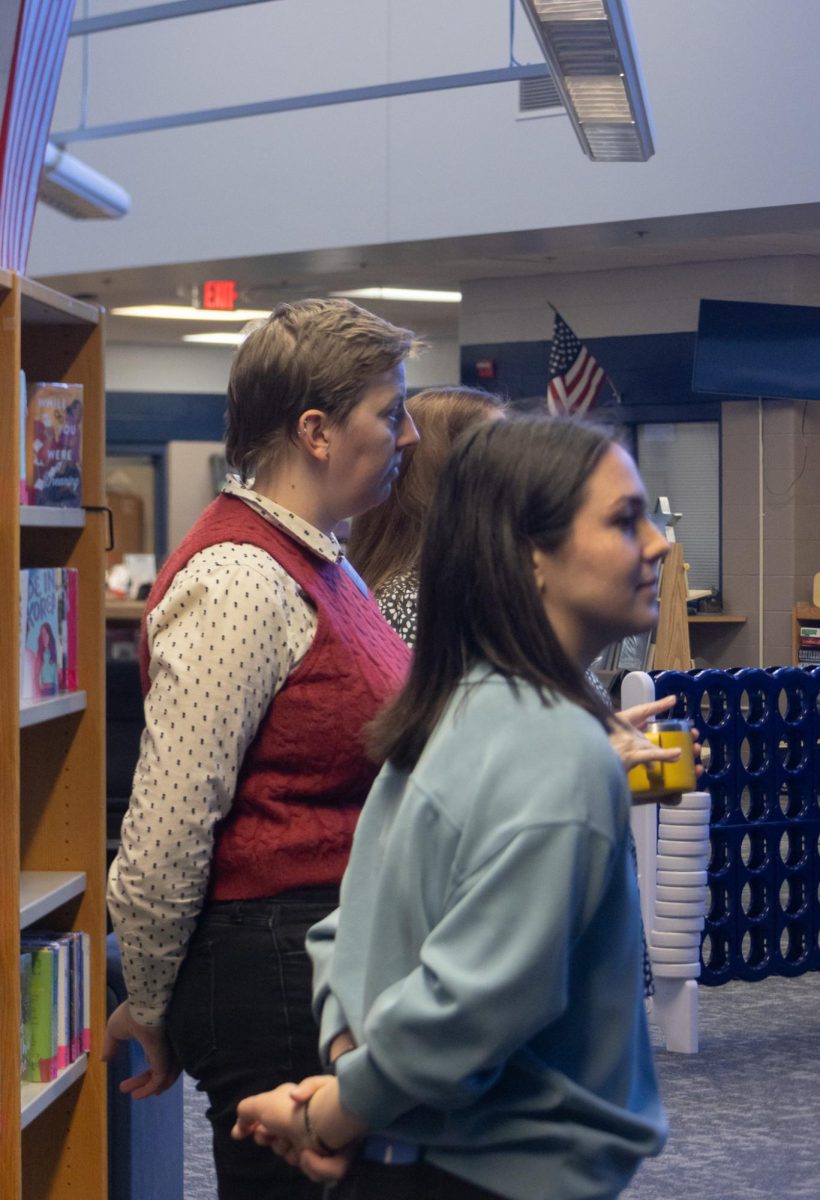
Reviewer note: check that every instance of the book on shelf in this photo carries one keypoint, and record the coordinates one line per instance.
(810, 631)
(56, 1025)
(25, 1010)
(808, 656)
(53, 444)
(49, 603)
(41, 1006)
(23, 482)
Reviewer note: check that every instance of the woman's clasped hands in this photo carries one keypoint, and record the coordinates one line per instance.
(287, 1120)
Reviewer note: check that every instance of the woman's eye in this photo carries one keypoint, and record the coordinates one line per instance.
(628, 523)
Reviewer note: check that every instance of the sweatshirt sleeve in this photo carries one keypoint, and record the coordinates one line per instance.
(492, 973)
(327, 1008)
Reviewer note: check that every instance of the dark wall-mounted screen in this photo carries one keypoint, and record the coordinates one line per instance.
(748, 350)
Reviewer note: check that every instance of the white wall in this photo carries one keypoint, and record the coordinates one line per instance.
(190, 486)
(732, 86)
(133, 368)
(183, 368)
(634, 301)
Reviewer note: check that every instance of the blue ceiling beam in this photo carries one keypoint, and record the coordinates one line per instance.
(152, 12)
(379, 91)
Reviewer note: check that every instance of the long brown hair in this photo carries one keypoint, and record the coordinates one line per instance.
(386, 541)
(507, 487)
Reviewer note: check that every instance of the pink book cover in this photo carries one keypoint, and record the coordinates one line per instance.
(40, 632)
(86, 983)
(68, 606)
(76, 997)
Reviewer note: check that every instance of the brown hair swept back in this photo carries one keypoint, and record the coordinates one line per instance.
(307, 354)
(386, 541)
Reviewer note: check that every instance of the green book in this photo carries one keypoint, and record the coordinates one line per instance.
(43, 1040)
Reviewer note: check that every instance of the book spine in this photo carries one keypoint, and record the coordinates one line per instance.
(25, 1013)
(63, 1014)
(72, 606)
(23, 407)
(42, 1066)
(810, 631)
(808, 658)
(86, 976)
(76, 997)
(26, 677)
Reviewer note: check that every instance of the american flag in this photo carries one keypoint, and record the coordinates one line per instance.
(575, 379)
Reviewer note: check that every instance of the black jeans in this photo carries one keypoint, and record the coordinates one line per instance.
(420, 1181)
(240, 1023)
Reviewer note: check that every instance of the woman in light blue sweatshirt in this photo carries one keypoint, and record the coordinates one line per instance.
(480, 987)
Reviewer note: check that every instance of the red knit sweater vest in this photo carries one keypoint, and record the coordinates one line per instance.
(305, 776)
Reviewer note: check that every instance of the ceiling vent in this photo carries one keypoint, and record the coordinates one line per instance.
(537, 94)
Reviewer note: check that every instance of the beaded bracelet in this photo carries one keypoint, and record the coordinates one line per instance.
(321, 1146)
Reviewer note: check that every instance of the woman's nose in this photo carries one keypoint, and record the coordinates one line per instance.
(656, 545)
(408, 435)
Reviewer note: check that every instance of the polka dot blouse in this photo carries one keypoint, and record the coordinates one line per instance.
(226, 635)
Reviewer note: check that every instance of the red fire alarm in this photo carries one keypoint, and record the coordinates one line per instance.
(485, 368)
(219, 293)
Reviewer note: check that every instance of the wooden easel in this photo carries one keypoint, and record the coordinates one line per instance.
(672, 650)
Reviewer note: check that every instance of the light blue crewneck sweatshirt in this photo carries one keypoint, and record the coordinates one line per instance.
(487, 954)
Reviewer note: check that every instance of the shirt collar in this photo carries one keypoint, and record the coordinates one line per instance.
(323, 544)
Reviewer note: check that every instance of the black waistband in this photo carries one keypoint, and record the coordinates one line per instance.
(306, 895)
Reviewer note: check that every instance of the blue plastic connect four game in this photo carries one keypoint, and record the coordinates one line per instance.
(760, 731)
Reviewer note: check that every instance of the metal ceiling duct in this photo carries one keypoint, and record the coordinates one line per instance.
(589, 49)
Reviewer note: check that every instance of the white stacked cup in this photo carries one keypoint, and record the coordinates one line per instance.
(681, 891)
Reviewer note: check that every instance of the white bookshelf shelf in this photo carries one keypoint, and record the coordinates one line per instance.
(36, 1097)
(43, 891)
(34, 516)
(34, 712)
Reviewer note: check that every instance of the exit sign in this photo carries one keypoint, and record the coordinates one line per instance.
(219, 293)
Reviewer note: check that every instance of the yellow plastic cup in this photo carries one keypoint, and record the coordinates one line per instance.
(666, 778)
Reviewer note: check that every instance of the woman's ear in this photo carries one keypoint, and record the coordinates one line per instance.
(540, 569)
(312, 433)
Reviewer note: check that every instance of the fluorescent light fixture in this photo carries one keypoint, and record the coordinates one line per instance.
(178, 312)
(217, 338)
(77, 190)
(397, 293)
(588, 46)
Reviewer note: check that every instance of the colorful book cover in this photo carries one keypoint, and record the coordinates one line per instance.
(23, 405)
(76, 997)
(40, 628)
(25, 1011)
(86, 978)
(60, 945)
(42, 1063)
(54, 428)
(69, 598)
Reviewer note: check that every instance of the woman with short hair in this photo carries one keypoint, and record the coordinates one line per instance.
(263, 657)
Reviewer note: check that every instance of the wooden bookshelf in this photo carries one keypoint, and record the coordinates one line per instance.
(803, 614)
(53, 1141)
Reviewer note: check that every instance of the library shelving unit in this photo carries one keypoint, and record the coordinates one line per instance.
(53, 1140)
(802, 614)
